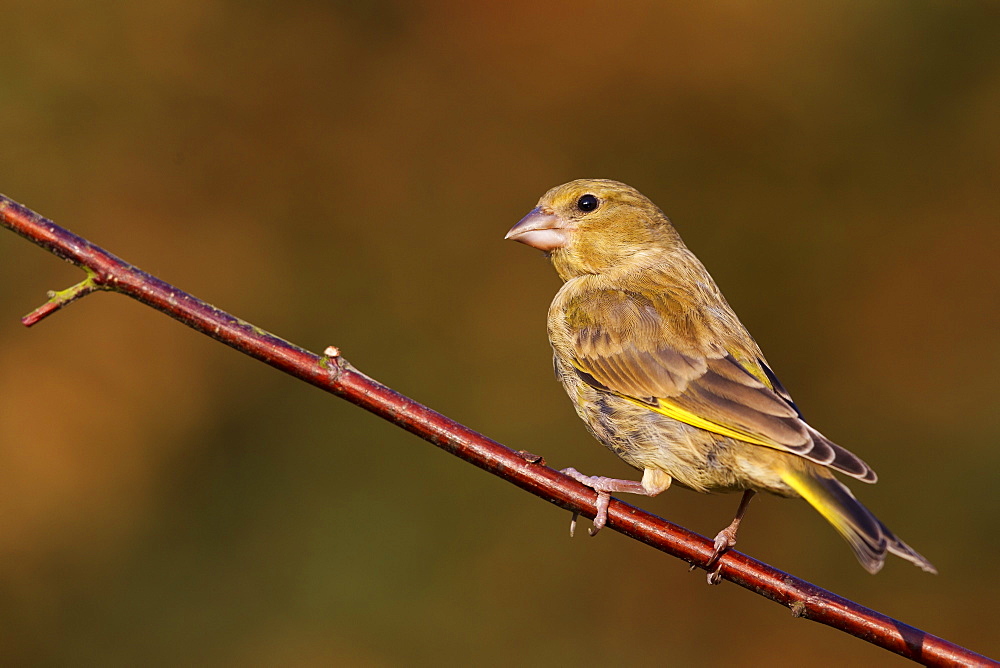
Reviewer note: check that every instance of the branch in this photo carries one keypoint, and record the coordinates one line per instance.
(333, 373)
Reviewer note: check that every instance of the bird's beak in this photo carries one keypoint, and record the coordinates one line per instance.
(540, 229)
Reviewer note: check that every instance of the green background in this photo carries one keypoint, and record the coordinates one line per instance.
(342, 173)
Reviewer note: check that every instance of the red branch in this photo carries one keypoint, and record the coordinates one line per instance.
(334, 374)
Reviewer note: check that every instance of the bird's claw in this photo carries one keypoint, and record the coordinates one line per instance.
(714, 575)
(597, 484)
(724, 540)
(601, 518)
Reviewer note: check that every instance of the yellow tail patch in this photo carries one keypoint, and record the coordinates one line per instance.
(807, 488)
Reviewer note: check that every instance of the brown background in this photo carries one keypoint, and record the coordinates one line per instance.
(343, 173)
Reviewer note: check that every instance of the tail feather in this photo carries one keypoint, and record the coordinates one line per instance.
(867, 536)
(901, 549)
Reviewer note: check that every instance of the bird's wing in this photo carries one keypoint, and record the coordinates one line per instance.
(651, 351)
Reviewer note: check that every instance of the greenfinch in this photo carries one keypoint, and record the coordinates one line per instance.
(663, 373)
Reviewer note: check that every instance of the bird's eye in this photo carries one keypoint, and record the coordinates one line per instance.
(587, 203)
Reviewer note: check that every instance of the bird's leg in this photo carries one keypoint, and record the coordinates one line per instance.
(726, 538)
(653, 482)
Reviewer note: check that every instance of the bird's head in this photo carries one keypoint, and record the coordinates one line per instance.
(591, 226)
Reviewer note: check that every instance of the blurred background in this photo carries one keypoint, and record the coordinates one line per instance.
(343, 173)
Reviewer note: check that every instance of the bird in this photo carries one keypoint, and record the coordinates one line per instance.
(663, 373)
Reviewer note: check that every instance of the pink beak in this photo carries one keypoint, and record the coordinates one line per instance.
(540, 229)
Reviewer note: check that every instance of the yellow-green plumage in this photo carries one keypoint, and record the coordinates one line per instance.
(663, 373)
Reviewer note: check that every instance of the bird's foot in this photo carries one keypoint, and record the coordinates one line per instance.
(724, 540)
(604, 487)
(600, 519)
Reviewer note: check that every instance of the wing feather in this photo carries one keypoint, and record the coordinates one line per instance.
(625, 346)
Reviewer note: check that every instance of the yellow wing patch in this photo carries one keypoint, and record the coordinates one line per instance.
(671, 410)
(664, 407)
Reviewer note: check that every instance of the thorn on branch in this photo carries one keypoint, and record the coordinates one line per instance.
(333, 362)
(531, 458)
(60, 298)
